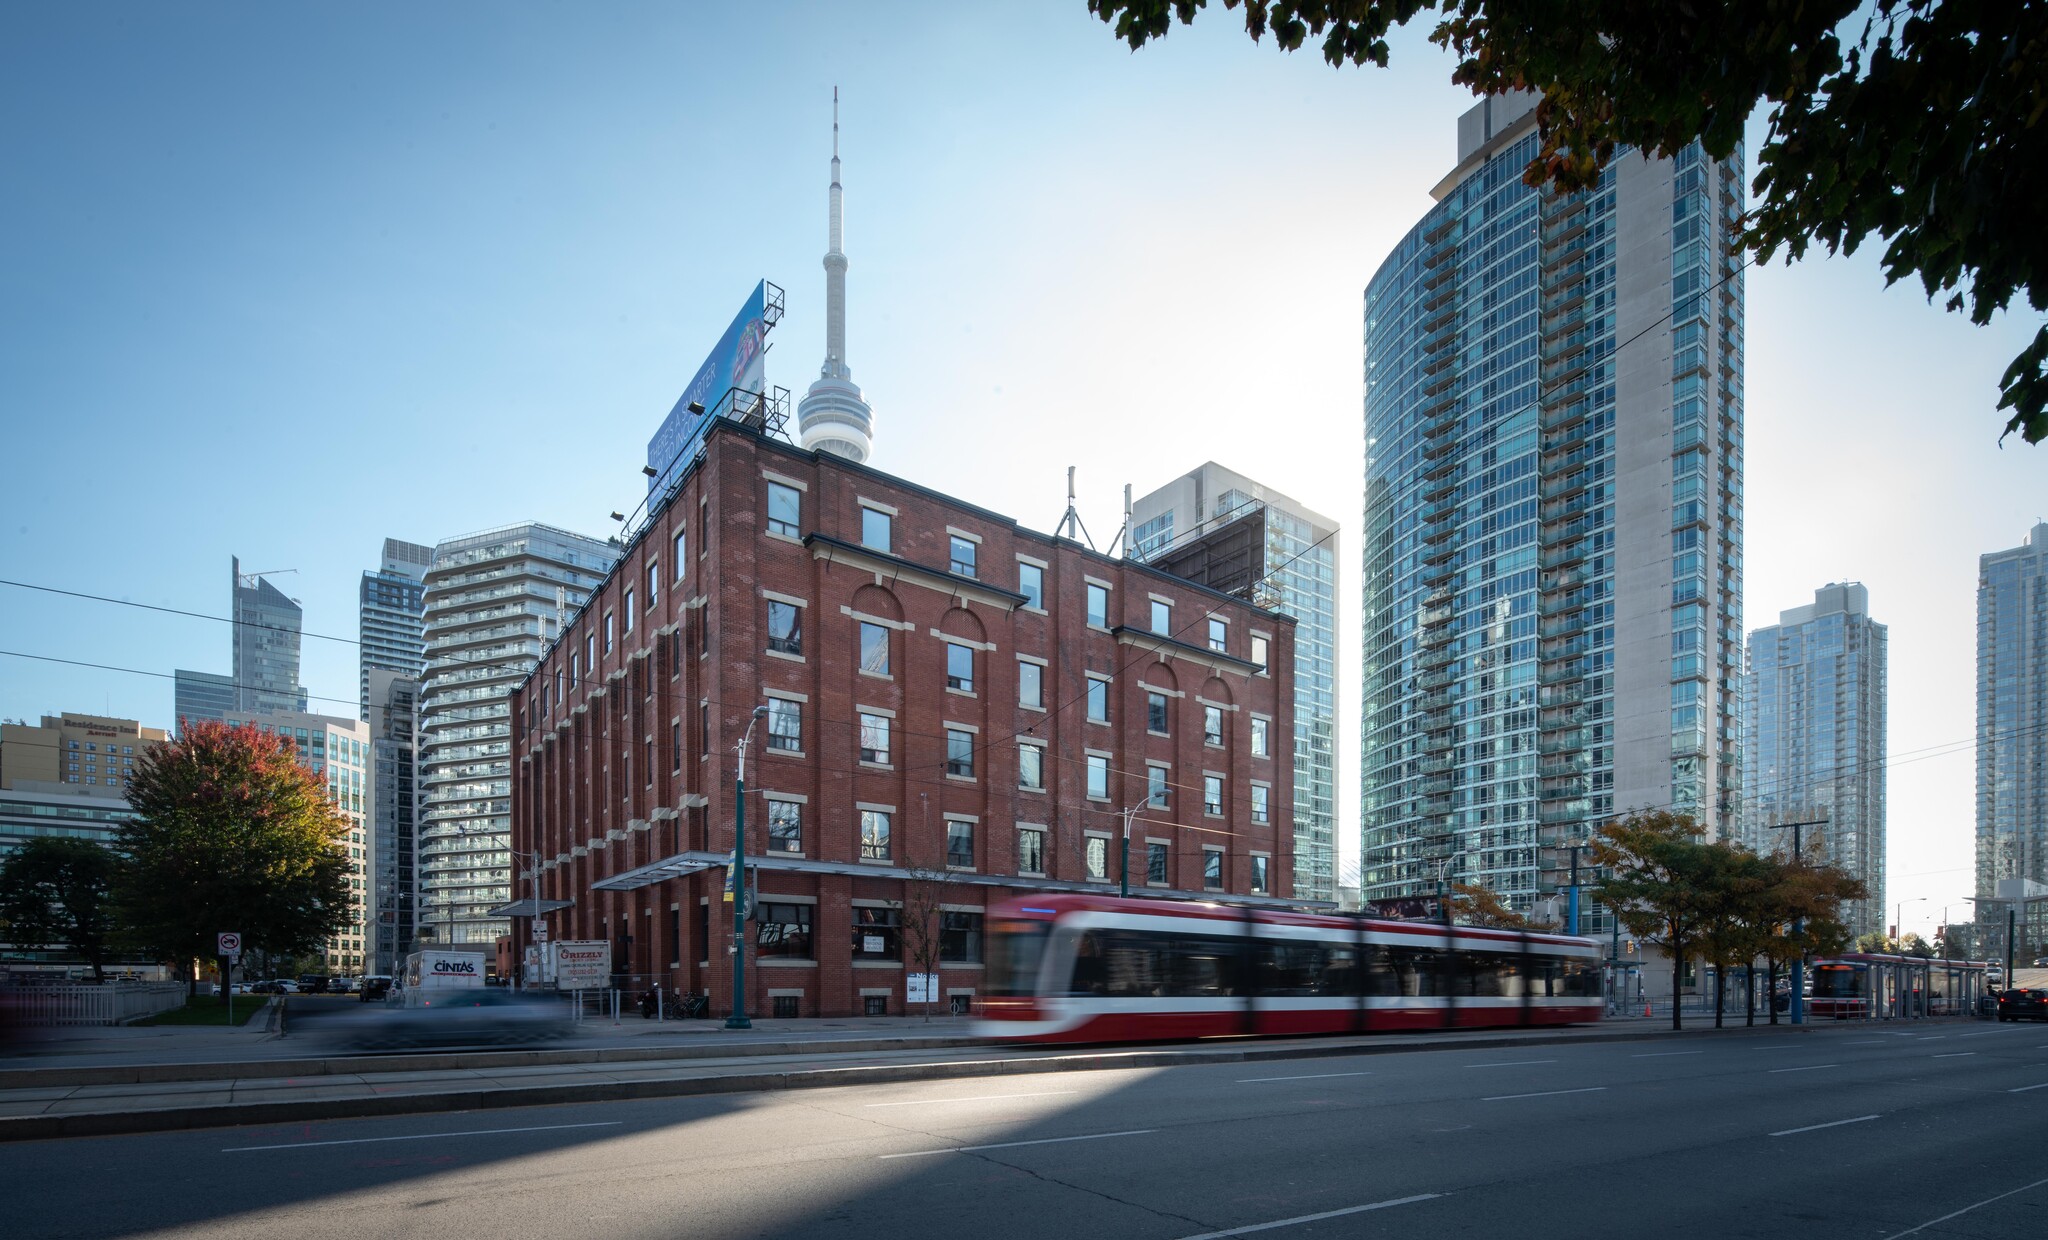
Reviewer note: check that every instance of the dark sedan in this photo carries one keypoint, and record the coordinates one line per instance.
(477, 1016)
(2021, 1003)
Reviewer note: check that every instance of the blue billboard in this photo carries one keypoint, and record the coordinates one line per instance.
(736, 362)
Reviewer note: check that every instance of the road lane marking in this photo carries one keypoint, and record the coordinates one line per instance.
(1548, 1093)
(1314, 1218)
(1010, 1145)
(2024, 1088)
(1933, 1037)
(1817, 1127)
(1509, 1063)
(1864, 1042)
(1808, 1068)
(1986, 1033)
(424, 1136)
(1955, 1054)
(1899, 1235)
(1664, 1054)
(926, 1102)
(1313, 1076)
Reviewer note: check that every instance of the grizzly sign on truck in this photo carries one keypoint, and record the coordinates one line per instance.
(582, 964)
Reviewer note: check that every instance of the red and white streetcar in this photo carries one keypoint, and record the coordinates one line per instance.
(1088, 968)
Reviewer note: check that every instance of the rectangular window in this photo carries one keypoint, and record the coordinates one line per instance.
(653, 584)
(874, 835)
(1155, 862)
(785, 627)
(704, 729)
(1259, 651)
(1030, 851)
(963, 556)
(1030, 685)
(1031, 767)
(1212, 794)
(959, 937)
(1259, 794)
(785, 509)
(1098, 700)
(785, 725)
(675, 744)
(877, 934)
(1212, 725)
(1098, 858)
(874, 649)
(959, 844)
(1212, 869)
(607, 632)
(959, 752)
(1162, 618)
(1031, 584)
(1098, 605)
(1219, 634)
(959, 667)
(784, 930)
(1260, 744)
(874, 529)
(785, 827)
(874, 738)
(1155, 787)
(575, 669)
(1155, 712)
(682, 545)
(1260, 868)
(1098, 777)
(629, 611)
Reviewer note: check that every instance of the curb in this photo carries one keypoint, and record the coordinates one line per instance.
(113, 1123)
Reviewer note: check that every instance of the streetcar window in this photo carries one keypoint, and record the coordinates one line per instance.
(1415, 971)
(1149, 964)
(1014, 949)
(1839, 981)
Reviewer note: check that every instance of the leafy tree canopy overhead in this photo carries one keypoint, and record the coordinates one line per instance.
(1922, 122)
(232, 834)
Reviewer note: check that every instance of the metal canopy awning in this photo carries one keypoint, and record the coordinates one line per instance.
(524, 908)
(686, 863)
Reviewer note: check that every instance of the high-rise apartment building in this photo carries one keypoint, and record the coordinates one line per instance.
(494, 601)
(84, 755)
(1814, 740)
(202, 697)
(393, 720)
(266, 642)
(1297, 575)
(338, 751)
(2012, 731)
(392, 628)
(1552, 557)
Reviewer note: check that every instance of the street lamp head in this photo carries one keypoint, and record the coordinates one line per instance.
(759, 711)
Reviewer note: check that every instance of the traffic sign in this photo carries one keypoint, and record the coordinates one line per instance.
(228, 943)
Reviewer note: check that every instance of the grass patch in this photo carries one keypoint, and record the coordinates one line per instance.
(209, 1010)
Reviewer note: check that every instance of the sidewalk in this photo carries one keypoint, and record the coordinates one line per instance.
(64, 1102)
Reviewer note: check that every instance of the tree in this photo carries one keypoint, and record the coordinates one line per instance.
(232, 834)
(1732, 920)
(1660, 882)
(1482, 907)
(56, 893)
(1916, 122)
(1802, 915)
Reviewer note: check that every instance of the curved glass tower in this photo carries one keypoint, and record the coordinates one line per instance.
(1552, 537)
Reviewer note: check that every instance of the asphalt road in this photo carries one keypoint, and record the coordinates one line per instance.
(1854, 1131)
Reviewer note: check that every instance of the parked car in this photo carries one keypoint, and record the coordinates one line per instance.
(341, 985)
(313, 983)
(2021, 1003)
(374, 988)
(2040, 962)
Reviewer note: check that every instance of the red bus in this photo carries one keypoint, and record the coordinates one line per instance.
(1088, 968)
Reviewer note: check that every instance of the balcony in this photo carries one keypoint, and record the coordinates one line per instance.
(1559, 557)
(1568, 694)
(1569, 741)
(1565, 625)
(1563, 765)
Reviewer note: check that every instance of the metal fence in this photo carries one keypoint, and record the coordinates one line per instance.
(93, 1005)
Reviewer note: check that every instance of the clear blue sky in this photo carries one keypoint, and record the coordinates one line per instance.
(285, 280)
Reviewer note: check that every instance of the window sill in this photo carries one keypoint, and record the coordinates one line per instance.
(791, 753)
(1039, 791)
(877, 964)
(960, 779)
(1030, 707)
(1209, 744)
(1031, 874)
(877, 861)
(876, 675)
(777, 852)
(960, 869)
(779, 536)
(966, 693)
(1100, 723)
(784, 655)
(784, 962)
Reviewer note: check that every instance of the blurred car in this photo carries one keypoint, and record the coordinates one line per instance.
(2040, 962)
(341, 986)
(374, 988)
(2022, 1003)
(476, 1016)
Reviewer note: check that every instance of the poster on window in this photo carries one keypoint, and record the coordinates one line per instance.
(871, 944)
(921, 988)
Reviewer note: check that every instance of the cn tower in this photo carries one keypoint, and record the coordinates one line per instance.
(832, 417)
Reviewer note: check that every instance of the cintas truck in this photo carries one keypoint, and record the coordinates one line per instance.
(430, 972)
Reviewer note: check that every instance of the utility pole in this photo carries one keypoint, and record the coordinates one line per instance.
(1123, 886)
(1798, 1003)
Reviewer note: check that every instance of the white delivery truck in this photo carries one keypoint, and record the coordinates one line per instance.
(430, 972)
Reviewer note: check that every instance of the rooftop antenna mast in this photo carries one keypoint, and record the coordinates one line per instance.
(1071, 522)
(1123, 537)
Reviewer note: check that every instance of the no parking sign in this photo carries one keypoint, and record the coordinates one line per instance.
(228, 944)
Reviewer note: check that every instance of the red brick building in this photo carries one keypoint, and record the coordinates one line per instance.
(958, 709)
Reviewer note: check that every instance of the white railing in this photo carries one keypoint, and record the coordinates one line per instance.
(94, 1005)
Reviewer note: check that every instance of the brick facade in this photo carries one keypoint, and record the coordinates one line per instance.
(625, 746)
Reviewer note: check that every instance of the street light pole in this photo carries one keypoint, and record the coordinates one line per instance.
(738, 1019)
(1123, 886)
(1798, 1004)
(1443, 902)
